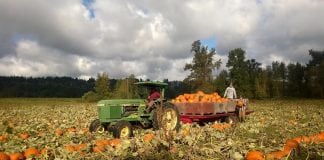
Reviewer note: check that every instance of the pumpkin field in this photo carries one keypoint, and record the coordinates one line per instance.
(58, 129)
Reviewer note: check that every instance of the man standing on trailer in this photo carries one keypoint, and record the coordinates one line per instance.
(230, 92)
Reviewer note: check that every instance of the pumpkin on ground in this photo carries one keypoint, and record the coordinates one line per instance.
(80, 147)
(3, 138)
(114, 142)
(102, 142)
(254, 155)
(70, 148)
(24, 135)
(16, 156)
(291, 145)
(276, 155)
(31, 152)
(4, 156)
(98, 149)
(58, 132)
(148, 137)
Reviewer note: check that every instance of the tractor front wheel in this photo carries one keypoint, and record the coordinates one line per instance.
(96, 126)
(122, 129)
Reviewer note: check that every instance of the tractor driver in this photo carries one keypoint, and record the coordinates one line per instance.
(154, 94)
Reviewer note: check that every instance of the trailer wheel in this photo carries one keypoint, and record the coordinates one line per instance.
(96, 126)
(122, 129)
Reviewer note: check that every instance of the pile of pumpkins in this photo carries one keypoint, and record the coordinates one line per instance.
(200, 96)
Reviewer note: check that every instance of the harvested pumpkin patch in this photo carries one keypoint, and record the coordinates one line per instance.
(266, 130)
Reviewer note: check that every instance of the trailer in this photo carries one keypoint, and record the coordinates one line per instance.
(233, 110)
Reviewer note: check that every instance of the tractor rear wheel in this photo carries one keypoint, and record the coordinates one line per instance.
(169, 119)
(96, 126)
(122, 129)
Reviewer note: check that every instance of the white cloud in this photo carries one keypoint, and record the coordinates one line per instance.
(150, 39)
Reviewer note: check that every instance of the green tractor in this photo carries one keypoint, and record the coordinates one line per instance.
(119, 116)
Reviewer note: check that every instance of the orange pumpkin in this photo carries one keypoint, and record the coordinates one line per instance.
(276, 155)
(240, 103)
(114, 142)
(102, 142)
(320, 136)
(148, 137)
(24, 135)
(290, 145)
(31, 152)
(80, 147)
(3, 138)
(16, 156)
(254, 155)
(4, 156)
(72, 130)
(70, 148)
(58, 132)
(201, 93)
(98, 149)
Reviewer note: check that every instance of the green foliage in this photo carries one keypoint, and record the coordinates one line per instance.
(101, 89)
(201, 68)
(239, 75)
(221, 82)
(315, 74)
(90, 97)
(102, 86)
(125, 88)
(295, 78)
(254, 71)
(278, 77)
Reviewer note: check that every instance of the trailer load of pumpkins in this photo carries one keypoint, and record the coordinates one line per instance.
(200, 96)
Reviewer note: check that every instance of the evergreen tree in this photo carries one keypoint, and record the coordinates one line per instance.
(239, 72)
(201, 68)
(296, 80)
(102, 86)
(221, 82)
(254, 71)
(315, 74)
(279, 77)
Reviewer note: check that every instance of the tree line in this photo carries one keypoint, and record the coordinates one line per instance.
(277, 80)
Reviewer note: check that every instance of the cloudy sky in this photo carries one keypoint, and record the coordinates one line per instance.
(148, 38)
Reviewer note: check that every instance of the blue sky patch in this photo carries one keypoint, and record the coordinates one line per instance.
(211, 42)
(88, 5)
